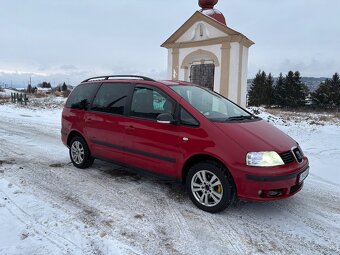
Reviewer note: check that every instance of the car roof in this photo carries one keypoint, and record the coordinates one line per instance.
(120, 77)
(172, 83)
(108, 78)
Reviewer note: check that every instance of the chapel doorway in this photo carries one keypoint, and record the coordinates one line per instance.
(203, 75)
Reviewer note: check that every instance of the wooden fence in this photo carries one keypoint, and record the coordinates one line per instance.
(19, 98)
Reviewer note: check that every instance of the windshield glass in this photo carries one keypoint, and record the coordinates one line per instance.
(211, 105)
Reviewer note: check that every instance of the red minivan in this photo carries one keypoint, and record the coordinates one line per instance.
(219, 150)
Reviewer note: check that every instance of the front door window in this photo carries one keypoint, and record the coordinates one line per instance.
(148, 103)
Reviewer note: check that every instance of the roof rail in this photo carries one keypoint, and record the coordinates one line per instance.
(107, 77)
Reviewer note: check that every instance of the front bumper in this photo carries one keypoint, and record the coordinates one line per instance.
(276, 178)
(271, 187)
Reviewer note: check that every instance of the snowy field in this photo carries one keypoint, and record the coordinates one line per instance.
(47, 206)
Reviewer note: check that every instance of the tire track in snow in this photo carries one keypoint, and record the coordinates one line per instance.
(27, 219)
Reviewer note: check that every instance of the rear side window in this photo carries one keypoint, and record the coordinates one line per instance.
(148, 103)
(82, 95)
(111, 98)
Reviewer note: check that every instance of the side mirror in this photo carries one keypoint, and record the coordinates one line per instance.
(165, 118)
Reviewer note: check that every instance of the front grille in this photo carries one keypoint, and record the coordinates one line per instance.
(287, 157)
(298, 155)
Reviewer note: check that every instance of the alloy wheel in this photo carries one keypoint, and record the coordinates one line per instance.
(207, 188)
(77, 152)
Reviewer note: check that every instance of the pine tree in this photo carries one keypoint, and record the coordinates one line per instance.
(45, 85)
(335, 88)
(294, 90)
(257, 92)
(322, 95)
(300, 90)
(268, 93)
(328, 93)
(278, 92)
(288, 87)
(64, 87)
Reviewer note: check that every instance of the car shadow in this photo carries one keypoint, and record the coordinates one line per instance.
(176, 192)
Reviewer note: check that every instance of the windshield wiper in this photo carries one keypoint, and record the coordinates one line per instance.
(241, 117)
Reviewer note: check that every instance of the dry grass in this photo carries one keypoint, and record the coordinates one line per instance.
(40, 95)
(308, 115)
(4, 99)
(36, 102)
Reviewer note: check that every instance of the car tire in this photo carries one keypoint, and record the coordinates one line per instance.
(209, 187)
(79, 153)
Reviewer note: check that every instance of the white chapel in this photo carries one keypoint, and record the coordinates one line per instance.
(205, 51)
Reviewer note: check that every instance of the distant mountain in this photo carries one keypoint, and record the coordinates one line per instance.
(311, 82)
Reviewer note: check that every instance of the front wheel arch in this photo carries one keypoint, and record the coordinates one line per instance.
(203, 190)
(195, 159)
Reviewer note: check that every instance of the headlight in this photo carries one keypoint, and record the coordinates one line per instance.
(265, 158)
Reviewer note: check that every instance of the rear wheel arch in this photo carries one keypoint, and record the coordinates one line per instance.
(73, 134)
(80, 154)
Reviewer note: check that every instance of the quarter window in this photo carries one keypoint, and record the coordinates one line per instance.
(82, 95)
(149, 103)
(111, 98)
(187, 119)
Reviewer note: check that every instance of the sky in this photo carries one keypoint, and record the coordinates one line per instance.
(71, 40)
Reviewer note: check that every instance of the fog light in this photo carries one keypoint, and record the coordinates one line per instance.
(271, 193)
(274, 193)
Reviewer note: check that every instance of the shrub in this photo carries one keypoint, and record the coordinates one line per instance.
(66, 93)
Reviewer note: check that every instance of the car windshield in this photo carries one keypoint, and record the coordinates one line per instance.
(212, 105)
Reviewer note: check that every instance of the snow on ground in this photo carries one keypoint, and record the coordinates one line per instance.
(4, 96)
(47, 206)
(7, 92)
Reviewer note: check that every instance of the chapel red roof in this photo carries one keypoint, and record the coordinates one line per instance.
(208, 10)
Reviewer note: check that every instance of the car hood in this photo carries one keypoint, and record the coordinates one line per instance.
(257, 135)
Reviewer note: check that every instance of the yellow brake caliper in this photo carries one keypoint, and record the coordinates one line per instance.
(219, 188)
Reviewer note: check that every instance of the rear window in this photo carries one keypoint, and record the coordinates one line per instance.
(82, 94)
